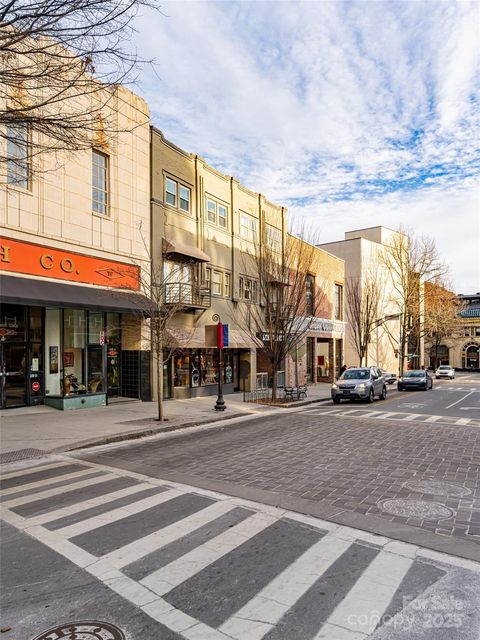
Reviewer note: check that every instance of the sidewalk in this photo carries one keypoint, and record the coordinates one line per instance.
(47, 430)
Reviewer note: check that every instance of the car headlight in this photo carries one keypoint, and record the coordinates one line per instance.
(334, 386)
(361, 387)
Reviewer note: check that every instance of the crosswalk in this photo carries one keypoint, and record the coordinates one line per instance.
(211, 567)
(391, 415)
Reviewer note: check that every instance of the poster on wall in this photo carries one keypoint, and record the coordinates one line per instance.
(68, 359)
(53, 359)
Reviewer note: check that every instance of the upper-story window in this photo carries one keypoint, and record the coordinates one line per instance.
(100, 200)
(467, 331)
(273, 238)
(309, 294)
(248, 227)
(217, 213)
(248, 289)
(338, 302)
(218, 282)
(18, 155)
(177, 195)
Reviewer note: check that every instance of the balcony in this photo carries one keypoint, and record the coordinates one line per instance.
(188, 296)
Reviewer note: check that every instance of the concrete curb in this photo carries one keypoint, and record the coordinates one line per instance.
(143, 433)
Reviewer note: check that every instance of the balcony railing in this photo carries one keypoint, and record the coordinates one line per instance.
(189, 295)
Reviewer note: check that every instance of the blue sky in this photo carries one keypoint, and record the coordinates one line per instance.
(351, 114)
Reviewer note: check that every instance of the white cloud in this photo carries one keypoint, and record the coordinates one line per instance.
(339, 110)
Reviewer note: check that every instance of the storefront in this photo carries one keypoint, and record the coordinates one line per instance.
(67, 345)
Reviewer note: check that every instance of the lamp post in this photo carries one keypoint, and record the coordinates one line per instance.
(220, 403)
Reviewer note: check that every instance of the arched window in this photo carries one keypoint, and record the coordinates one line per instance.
(471, 355)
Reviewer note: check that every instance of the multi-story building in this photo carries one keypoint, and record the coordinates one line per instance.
(71, 246)
(206, 229)
(362, 251)
(461, 349)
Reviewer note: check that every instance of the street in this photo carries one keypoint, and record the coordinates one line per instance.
(320, 522)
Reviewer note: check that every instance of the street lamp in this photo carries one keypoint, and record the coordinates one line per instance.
(220, 403)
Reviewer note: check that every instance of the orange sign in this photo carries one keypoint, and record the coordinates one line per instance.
(35, 260)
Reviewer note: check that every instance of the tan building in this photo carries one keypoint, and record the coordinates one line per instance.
(461, 350)
(361, 250)
(70, 245)
(205, 227)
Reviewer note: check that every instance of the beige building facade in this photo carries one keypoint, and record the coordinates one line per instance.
(206, 228)
(362, 250)
(71, 255)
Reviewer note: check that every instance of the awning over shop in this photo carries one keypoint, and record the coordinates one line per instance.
(45, 293)
(239, 339)
(186, 338)
(178, 248)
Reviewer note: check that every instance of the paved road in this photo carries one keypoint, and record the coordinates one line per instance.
(165, 561)
(449, 399)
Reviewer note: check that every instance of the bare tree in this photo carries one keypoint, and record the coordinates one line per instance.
(60, 64)
(411, 262)
(363, 298)
(288, 297)
(442, 308)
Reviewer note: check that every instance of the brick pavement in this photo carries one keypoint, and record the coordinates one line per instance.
(346, 465)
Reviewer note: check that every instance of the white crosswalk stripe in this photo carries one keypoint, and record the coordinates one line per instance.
(368, 593)
(368, 599)
(165, 579)
(46, 482)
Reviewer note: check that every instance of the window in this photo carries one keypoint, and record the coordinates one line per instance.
(177, 195)
(467, 331)
(248, 227)
(184, 198)
(338, 302)
(99, 183)
(217, 213)
(248, 289)
(477, 331)
(218, 281)
(179, 281)
(18, 155)
(309, 294)
(273, 238)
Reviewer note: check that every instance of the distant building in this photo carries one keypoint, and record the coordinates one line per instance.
(361, 250)
(461, 350)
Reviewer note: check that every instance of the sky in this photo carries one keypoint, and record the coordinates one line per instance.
(351, 114)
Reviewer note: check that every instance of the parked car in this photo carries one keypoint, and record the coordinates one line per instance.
(418, 379)
(445, 371)
(362, 383)
(390, 378)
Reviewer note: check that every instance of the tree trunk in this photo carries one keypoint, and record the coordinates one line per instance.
(274, 383)
(160, 417)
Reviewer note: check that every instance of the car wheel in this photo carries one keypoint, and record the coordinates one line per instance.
(336, 400)
(371, 396)
(383, 395)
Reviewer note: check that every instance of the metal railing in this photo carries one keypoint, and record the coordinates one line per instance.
(188, 294)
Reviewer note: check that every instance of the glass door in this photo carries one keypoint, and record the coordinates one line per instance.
(13, 363)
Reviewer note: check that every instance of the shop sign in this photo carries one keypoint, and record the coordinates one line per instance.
(33, 259)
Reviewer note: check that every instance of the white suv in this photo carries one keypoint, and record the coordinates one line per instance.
(445, 371)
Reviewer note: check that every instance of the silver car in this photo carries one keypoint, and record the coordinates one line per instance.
(363, 383)
(445, 371)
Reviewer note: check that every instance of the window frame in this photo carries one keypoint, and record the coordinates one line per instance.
(19, 167)
(224, 283)
(310, 294)
(106, 183)
(251, 233)
(247, 284)
(210, 200)
(274, 243)
(177, 195)
(338, 308)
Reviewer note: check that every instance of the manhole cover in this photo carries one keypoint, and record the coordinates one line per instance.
(20, 454)
(437, 488)
(83, 630)
(416, 509)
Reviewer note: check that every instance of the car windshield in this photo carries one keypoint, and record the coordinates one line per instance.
(414, 374)
(355, 374)
(444, 367)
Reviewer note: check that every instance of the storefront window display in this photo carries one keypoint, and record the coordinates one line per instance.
(199, 368)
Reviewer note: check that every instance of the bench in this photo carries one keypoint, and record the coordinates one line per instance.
(292, 393)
